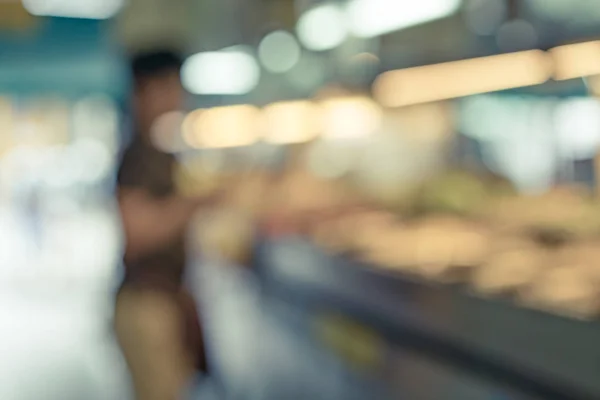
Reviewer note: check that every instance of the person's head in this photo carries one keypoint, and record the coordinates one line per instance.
(157, 86)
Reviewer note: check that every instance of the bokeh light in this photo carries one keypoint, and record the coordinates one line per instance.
(350, 117)
(167, 132)
(462, 78)
(279, 51)
(371, 18)
(322, 27)
(222, 127)
(88, 9)
(578, 128)
(291, 122)
(226, 72)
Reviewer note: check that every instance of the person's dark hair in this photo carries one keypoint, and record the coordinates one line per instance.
(154, 64)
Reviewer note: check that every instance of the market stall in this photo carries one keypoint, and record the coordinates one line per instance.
(397, 270)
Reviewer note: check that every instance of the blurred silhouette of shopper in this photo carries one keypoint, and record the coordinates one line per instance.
(156, 321)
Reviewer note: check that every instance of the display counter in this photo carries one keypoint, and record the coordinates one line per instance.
(421, 340)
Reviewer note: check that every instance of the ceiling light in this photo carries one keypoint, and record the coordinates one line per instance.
(89, 9)
(279, 51)
(576, 60)
(291, 122)
(350, 117)
(462, 78)
(370, 18)
(225, 72)
(223, 127)
(323, 27)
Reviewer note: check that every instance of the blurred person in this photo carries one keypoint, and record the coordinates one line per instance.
(156, 322)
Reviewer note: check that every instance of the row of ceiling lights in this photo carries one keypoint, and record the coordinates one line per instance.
(399, 88)
(353, 117)
(236, 70)
(324, 27)
(278, 123)
(488, 74)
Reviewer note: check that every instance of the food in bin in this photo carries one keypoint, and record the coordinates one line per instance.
(508, 271)
(351, 230)
(443, 248)
(585, 254)
(566, 290)
(555, 217)
(459, 227)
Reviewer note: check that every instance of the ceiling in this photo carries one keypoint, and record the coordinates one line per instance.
(201, 25)
(206, 25)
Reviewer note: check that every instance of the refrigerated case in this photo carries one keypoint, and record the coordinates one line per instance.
(396, 337)
(358, 331)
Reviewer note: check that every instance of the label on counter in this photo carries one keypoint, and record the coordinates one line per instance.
(359, 346)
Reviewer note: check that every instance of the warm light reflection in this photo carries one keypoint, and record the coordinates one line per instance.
(291, 122)
(462, 78)
(167, 132)
(222, 127)
(188, 128)
(371, 18)
(350, 117)
(576, 60)
(432, 122)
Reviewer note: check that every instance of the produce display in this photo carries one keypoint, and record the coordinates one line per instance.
(454, 227)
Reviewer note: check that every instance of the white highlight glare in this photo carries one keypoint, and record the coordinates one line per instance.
(223, 72)
(370, 18)
(322, 28)
(91, 159)
(88, 9)
(578, 128)
(279, 51)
